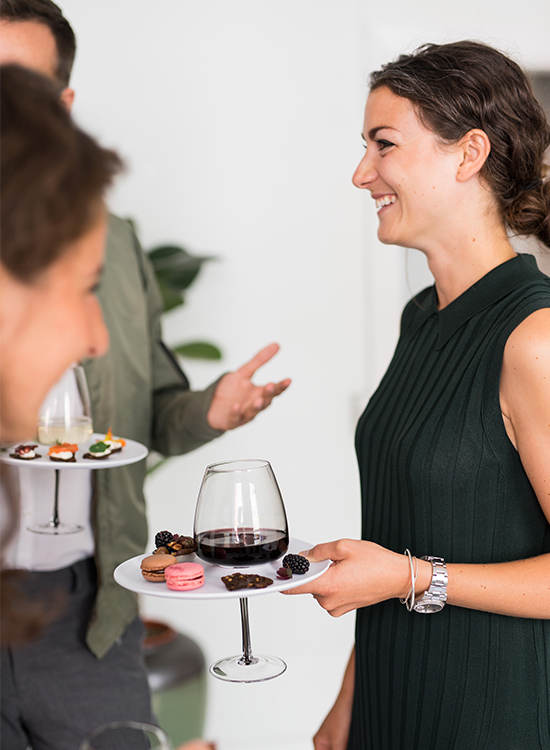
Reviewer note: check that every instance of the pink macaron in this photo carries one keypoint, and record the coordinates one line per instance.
(184, 576)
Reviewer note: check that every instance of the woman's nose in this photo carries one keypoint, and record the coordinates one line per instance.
(98, 342)
(365, 172)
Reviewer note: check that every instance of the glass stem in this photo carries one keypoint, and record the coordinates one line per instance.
(55, 519)
(247, 658)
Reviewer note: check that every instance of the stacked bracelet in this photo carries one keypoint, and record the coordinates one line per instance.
(409, 600)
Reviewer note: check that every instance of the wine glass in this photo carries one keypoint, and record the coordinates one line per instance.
(240, 521)
(64, 417)
(123, 735)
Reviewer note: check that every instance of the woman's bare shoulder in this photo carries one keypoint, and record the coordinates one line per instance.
(528, 346)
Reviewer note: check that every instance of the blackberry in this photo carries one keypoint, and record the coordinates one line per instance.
(297, 563)
(163, 538)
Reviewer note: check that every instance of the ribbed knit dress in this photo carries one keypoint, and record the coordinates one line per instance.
(440, 476)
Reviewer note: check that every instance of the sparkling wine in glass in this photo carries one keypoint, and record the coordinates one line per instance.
(127, 735)
(64, 417)
(240, 521)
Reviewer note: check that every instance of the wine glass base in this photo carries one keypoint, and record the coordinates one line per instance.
(260, 669)
(52, 528)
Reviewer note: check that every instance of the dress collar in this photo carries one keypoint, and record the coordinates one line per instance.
(492, 287)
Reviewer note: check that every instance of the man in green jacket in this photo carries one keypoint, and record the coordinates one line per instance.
(87, 669)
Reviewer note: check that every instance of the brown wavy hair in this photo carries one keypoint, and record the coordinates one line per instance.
(463, 85)
(53, 179)
(53, 174)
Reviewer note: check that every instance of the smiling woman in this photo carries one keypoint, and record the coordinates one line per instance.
(52, 233)
(453, 446)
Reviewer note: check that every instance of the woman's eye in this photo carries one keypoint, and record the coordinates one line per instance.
(383, 144)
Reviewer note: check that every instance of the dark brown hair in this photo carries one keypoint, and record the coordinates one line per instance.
(49, 14)
(53, 175)
(464, 85)
(53, 178)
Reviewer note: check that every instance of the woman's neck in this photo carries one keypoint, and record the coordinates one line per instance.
(464, 258)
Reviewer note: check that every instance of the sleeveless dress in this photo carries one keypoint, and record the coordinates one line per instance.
(440, 476)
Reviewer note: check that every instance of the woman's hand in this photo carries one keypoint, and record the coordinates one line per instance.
(198, 745)
(362, 573)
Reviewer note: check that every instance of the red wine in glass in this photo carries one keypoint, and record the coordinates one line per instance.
(241, 546)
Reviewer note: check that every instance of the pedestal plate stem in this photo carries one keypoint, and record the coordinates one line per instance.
(247, 657)
(55, 519)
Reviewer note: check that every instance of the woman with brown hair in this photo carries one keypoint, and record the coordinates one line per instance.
(52, 233)
(453, 637)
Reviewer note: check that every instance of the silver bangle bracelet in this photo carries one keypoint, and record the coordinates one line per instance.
(409, 600)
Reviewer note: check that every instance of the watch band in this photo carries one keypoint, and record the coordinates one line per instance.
(433, 600)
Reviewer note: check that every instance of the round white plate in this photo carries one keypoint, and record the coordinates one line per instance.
(130, 454)
(128, 575)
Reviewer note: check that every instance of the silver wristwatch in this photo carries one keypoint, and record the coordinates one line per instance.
(433, 600)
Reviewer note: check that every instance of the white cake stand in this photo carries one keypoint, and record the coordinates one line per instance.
(247, 669)
(131, 453)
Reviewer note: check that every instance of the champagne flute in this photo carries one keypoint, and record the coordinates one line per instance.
(123, 735)
(64, 417)
(240, 520)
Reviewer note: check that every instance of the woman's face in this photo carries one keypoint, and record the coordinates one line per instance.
(45, 327)
(409, 173)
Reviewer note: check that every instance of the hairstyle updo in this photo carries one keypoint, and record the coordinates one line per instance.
(463, 85)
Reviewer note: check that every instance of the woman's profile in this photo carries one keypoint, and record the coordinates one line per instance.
(453, 638)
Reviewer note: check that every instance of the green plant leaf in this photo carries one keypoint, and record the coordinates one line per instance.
(181, 278)
(198, 350)
(171, 297)
(162, 255)
(175, 264)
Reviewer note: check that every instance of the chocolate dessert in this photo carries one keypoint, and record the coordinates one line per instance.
(237, 581)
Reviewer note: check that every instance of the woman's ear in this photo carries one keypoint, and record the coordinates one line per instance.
(473, 149)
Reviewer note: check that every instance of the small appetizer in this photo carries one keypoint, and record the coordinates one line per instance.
(167, 543)
(184, 576)
(25, 453)
(115, 444)
(98, 451)
(238, 581)
(64, 452)
(153, 568)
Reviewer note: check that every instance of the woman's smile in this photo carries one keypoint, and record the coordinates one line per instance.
(384, 201)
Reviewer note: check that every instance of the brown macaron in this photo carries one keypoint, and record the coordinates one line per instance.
(153, 567)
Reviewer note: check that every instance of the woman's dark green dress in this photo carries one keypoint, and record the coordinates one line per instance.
(439, 476)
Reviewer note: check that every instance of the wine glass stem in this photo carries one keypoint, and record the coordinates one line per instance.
(247, 658)
(55, 519)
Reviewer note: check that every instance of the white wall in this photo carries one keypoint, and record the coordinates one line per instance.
(240, 125)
